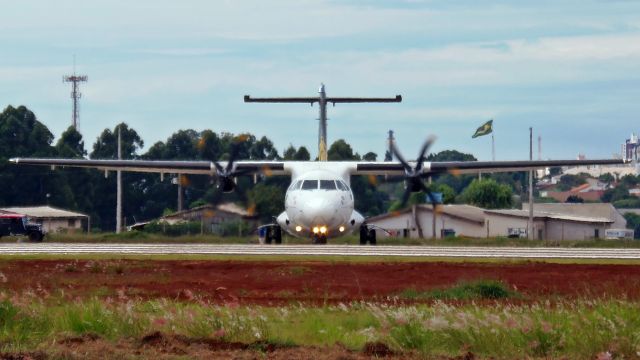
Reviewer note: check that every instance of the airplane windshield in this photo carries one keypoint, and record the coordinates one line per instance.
(342, 186)
(327, 185)
(296, 186)
(310, 185)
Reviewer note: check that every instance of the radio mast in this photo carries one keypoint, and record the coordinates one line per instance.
(75, 80)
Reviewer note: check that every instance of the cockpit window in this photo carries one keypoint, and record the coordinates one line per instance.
(327, 185)
(297, 185)
(342, 186)
(310, 185)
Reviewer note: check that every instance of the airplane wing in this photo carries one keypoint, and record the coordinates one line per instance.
(469, 167)
(161, 166)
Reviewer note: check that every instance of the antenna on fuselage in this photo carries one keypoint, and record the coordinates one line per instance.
(322, 101)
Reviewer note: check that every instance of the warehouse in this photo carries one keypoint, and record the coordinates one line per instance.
(550, 221)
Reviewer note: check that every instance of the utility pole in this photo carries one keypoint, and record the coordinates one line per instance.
(119, 187)
(75, 80)
(322, 101)
(180, 193)
(530, 229)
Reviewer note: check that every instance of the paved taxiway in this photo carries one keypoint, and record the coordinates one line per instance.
(346, 250)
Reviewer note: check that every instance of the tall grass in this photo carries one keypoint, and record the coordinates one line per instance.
(579, 329)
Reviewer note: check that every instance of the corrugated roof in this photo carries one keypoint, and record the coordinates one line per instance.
(586, 210)
(227, 207)
(550, 215)
(44, 212)
(466, 212)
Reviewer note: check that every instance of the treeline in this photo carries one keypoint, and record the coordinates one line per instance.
(147, 197)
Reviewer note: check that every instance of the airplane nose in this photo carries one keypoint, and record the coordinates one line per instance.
(319, 211)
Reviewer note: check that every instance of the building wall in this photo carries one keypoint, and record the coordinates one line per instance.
(397, 224)
(58, 224)
(571, 230)
(495, 225)
(499, 225)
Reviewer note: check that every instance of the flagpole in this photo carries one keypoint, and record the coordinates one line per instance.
(493, 148)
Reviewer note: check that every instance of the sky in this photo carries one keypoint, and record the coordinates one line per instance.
(570, 69)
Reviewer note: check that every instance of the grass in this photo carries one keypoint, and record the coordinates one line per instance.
(475, 290)
(146, 238)
(577, 329)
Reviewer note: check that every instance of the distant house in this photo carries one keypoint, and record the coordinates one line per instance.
(550, 221)
(53, 219)
(591, 191)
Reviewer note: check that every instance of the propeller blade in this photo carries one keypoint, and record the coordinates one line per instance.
(396, 153)
(425, 147)
(219, 168)
(405, 197)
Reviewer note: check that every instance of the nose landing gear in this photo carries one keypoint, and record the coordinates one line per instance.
(367, 235)
(319, 239)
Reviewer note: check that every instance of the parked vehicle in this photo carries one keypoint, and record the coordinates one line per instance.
(618, 234)
(19, 225)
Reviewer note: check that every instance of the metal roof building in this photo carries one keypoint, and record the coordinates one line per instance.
(53, 219)
(550, 221)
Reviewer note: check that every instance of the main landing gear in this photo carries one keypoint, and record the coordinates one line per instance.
(273, 234)
(367, 235)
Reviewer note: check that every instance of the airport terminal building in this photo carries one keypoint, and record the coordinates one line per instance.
(550, 221)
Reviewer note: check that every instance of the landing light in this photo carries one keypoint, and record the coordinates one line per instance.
(298, 228)
(323, 230)
(315, 230)
(341, 228)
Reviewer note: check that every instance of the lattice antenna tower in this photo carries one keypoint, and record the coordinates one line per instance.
(75, 80)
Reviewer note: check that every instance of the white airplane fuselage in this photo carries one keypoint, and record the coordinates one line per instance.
(319, 202)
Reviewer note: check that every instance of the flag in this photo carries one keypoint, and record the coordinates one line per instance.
(484, 129)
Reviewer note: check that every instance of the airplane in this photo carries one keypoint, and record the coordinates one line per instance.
(319, 203)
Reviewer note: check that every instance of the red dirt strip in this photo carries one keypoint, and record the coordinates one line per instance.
(314, 282)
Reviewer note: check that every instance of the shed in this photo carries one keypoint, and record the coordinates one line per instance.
(53, 219)
(212, 217)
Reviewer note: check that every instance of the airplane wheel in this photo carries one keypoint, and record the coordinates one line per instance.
(277, 235)
(268, 237)
(364, 235)
(372, 237)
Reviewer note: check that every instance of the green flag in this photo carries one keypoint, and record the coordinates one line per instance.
(485, 129)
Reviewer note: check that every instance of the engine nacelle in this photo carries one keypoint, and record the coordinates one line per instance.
(226, 184)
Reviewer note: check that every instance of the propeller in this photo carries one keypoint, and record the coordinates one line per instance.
(226, 175)
(414, 175)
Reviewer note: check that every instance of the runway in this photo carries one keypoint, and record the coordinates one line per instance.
(318, 250)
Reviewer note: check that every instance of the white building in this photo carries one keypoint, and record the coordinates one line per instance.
(550, 221)
(53, 219)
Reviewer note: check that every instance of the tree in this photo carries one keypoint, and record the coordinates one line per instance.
(488, 194)
(451, 155)
(106, 146)
(448, 194)
(341, 151)
(370, 156)
(103, 212)
(22, 135)
(633, 222)
(570, 181)
(606, 178)
(70, 144)
(302, 154)
(266, 200)
(620, 192)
